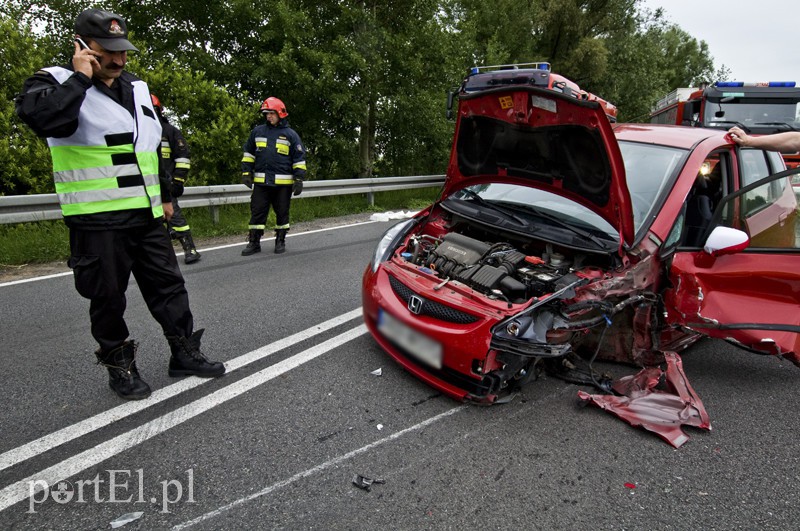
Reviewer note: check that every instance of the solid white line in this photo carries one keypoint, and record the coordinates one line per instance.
(316, 469)
(69, 433)
(21, 490)
(239, 244)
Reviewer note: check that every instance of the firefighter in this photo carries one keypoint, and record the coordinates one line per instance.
(104, 136)
(274, 166)
(176, 163)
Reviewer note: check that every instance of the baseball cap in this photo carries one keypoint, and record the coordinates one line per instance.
(108, 29)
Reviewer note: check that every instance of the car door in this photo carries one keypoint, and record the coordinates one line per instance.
(746, 292)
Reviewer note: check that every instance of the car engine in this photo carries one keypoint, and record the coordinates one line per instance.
(498, 269)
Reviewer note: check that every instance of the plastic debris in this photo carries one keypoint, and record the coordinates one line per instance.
(126, 519)
(365, 483)
(377, 372)
(380, 427)
(630, 485)
(388, 216)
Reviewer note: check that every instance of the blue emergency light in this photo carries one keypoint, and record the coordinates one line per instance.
(788, 84)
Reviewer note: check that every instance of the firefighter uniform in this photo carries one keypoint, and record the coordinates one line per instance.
(274, 162)
(175, 164)
(104, 141)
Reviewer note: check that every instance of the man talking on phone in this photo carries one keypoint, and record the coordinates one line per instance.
(104, 136)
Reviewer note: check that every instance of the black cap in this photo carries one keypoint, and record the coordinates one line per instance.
(108, 29)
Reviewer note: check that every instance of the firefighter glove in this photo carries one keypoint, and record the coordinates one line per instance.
(297, 187)
(247, 179)
(177, 187)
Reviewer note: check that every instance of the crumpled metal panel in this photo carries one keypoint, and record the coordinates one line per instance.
(661, 411)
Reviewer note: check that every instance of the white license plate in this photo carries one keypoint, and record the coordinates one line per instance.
(421, 347)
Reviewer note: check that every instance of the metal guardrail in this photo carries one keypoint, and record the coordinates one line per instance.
(27, 208)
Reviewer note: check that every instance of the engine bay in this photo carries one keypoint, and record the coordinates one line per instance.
(515, 272)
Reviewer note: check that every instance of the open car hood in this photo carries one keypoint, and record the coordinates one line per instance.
(543, 139)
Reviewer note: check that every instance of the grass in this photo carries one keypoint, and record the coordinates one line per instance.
(48, 241)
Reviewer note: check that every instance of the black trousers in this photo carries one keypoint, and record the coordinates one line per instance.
(102, 262)
(279, 197)
(178, 221)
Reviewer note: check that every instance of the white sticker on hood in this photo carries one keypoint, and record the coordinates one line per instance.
(544, 103)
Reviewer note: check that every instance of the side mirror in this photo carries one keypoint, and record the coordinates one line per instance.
(450, 97)
(725, 240)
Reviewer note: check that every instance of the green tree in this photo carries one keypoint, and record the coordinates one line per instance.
(24, 159)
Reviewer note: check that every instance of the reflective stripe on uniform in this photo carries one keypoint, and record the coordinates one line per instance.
(183, 163)
(282, 226)
(299, 165)
(261, 142)
(259, 177)
(257, 227)
(284, 179)
(247, 157)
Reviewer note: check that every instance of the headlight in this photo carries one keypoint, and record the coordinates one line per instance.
(389, 242)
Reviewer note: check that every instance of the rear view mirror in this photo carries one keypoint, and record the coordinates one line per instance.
(725, 240)
(450, 97)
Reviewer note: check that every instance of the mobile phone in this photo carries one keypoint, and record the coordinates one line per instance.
(82, 44)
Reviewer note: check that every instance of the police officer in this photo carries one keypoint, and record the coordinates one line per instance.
(176, 164)
(104, 136)
(274, 165)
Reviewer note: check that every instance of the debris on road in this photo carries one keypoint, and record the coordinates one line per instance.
(365, 483)
(661, 411)
(126, 519)
(377, 372)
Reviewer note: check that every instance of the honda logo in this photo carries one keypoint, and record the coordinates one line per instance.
(415, 305)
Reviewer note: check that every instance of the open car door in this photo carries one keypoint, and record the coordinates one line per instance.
(744, 286)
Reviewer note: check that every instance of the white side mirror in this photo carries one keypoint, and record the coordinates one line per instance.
(725, 240)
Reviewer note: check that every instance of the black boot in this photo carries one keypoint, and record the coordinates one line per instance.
(280, 241)
(253, 242)
(190, 254)
(123, 376)
(187, 360)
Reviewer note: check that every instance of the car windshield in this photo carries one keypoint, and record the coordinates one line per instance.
(649, 172)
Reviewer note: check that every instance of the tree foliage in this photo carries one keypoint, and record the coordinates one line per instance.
(364, 81)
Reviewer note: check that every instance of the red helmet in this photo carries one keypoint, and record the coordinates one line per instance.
(156, 103)
(274, 104)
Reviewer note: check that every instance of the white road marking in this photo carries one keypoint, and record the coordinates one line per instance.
(317, 468)
(21, 490)
(64, 435)
(239, 244)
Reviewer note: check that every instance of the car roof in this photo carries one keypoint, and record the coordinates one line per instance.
(668, 135)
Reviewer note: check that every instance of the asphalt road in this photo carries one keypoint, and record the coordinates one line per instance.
(277, 441)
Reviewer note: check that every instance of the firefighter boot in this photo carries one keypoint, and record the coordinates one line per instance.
(280, 241)
(187, 360)
(190, 254)
(253, 242)
(123, 376)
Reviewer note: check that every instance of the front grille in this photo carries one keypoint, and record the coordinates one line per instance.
(432, 308)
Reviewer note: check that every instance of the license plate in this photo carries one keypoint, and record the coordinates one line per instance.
(418, 345)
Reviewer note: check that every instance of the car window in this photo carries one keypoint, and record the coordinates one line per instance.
(755, 166)
(648, 170)
(710, 185)
(768, 212)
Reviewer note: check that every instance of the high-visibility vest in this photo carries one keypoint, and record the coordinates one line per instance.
(110, 163)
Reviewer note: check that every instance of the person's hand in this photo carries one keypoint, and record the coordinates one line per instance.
(297, 187)
(738, 135)
(85, 61)
(247, 179)
(177, 187)
(168, 211)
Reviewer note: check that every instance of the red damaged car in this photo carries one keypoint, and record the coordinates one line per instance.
(560, 238)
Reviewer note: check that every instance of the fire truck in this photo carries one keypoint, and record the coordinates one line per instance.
(536, 74)
(758, 108)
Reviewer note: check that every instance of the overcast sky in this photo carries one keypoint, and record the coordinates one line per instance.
(758, 40)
